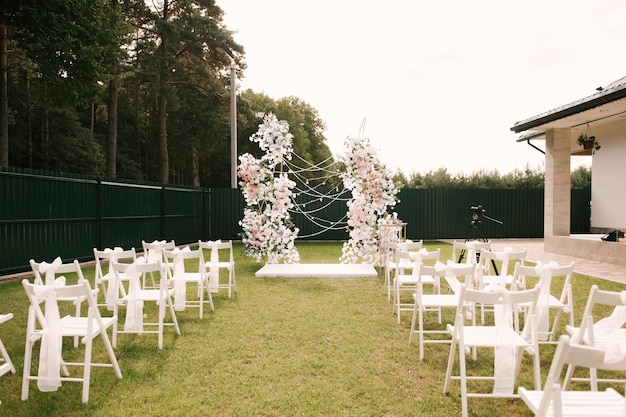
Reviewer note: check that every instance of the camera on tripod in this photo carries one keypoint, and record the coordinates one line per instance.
(477, 212)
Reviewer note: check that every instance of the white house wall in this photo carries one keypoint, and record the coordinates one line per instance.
(608, 180)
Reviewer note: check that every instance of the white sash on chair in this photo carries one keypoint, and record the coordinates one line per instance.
(503, 257)
(504, 352)
(49, 270)
(452, 280)
(180, 286)
(156, 254)
(134, 307)
(615, 352)
(214, 276)
(472, 250)
(543, 301)
(51, 339)
(111, 295)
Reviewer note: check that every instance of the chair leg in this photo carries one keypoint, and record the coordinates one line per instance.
(421, 331)
(453, 349)
(28, 353)
(201, 298)
(87, 368)
(413, 321)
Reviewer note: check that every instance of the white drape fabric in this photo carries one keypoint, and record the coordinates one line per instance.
(51, 339)
(452, 280)
(156, 254)
(214, 274)
(604, 327)
(111, 295)
(417, 260)
(134, 307)
(472, 249)
(504, 352)
(544, 272)
(180, 285)
(49, 270)
(503, 257)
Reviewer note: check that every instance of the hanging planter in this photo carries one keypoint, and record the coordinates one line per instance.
(588, 142)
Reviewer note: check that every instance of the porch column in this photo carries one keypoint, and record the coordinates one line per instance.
(558, 183)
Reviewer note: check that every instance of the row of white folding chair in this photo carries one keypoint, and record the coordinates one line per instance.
(407, 276)
(601, 330)
(508, 344)
(48, 327)
(454, 275)
(556, 400)
(220, 258)
(390, 259)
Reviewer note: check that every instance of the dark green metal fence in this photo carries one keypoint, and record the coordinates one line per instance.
(44, 215)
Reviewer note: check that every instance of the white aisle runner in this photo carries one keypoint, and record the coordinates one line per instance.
(317, 271)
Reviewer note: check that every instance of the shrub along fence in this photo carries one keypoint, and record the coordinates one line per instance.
(44, 215)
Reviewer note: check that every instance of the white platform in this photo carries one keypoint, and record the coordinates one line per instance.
(317, 271)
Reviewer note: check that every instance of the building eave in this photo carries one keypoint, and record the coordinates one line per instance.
(613, 92)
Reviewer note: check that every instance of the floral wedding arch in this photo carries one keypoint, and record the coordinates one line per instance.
(268, 231)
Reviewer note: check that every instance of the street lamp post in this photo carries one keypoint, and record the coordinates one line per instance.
(233, 125)
(233, 121)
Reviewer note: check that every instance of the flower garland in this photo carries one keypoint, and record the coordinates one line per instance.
(267, 227)
(373, 190)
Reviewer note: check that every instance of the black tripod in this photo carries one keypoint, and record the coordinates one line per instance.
(475, 233)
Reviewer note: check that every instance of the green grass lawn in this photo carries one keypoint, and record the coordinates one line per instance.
(279, 347)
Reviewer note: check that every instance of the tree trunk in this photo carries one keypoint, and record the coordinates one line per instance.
(111, 170)
(194, 167)
(29, 122)
(4, 99)
(45, 130)
(112, 127)
(164, 165)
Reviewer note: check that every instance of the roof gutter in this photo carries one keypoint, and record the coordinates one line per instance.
(533, 146)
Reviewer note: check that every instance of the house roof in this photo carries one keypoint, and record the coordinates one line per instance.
(602, 107)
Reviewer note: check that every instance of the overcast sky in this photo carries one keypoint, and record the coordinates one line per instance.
(439, 83)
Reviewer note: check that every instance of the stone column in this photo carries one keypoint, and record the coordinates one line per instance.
(558, 183)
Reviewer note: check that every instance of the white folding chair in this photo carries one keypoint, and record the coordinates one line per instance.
(407, 275)
(389, 259)
(46, 273)
(599, 332)
(508, 345)
(105, 282)
(495, 266)
(177, 265)
(469, 250)
(544, 275)
(455, 275)
(220, 257)
(6, 365)
(136, 296)
(493, 270)
(47, 326)
(153, 251)
(555, 400)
